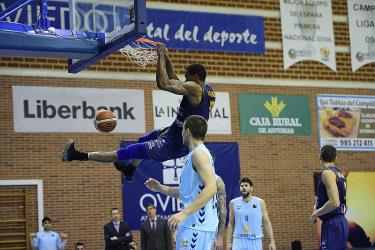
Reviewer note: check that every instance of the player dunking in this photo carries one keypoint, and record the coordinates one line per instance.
(331, 204)
(165, 144)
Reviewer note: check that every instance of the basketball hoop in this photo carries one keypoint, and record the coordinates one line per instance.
(141, 52)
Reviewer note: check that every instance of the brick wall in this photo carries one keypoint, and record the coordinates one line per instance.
(79, 196)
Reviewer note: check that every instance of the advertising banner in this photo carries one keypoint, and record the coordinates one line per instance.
(346, 122)
(165, 106)
(54, 109)
(307, 31)
(184, 30)
(362, 32)
(206, 31)
(360, 201)
(267, 114)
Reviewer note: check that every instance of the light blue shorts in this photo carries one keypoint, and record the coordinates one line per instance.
(191, 239)
(247, 244)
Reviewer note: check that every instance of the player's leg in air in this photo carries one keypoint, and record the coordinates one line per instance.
(198, 99)
(133, 154)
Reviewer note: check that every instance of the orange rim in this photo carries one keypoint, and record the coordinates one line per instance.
(145, 40)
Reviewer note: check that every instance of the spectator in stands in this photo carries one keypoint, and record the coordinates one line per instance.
(155, 232)
(80, 246)
(117, 235)
(48, 239)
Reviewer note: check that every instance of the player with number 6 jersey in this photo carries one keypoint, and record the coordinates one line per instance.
(247, 215)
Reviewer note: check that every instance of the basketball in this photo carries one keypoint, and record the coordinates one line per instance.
(105, 121)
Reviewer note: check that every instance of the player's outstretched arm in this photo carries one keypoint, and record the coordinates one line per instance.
(329, 180)
(164, 82)
(268, 225)
(156, 186)
(230, 227)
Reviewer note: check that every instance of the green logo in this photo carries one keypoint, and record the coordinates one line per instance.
(274, 108)
(184, 244)
(274, 114)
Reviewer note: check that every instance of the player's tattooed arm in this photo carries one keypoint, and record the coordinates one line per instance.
(221, 205)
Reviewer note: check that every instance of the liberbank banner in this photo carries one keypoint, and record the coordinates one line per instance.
(53, 109)
(307, 31)
(267, 114)
(362, 32)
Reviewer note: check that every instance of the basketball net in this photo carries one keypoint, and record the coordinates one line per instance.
(141, 52)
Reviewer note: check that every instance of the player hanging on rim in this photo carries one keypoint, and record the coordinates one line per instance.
(161, 144)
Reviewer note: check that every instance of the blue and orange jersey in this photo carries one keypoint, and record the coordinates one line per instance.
(186, 109)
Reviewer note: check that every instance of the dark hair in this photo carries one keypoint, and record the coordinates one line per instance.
(197, 126)
(115, 208)
(150, 205)
(79, 244)
(197, 69)
(246, 180)
(46, 219)
(328, 153)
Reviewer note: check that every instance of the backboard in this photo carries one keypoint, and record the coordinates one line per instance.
(83, 31)
(122, 21)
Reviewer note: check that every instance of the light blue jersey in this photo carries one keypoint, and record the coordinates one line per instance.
(48, 240)
(191, 239)
(198, 230)
(247, 218)
(247, 244)
(205, 219)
